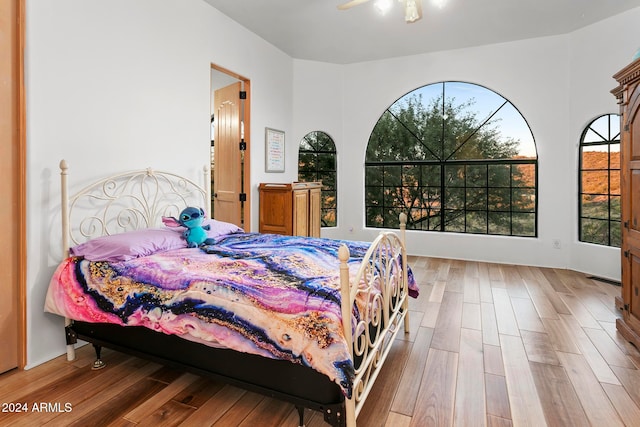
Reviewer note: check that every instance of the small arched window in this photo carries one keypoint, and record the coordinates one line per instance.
(456, 157)
(317, 163)
(599, 208)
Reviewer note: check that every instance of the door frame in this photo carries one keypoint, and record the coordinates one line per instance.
(21, 177)
(246, 178)
(18, 259)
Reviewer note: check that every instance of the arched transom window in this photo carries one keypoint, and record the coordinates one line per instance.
(456, 157)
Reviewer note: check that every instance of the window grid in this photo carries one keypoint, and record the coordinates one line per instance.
(441, 154)
(599, 182)
(317, 162)
(475, 217)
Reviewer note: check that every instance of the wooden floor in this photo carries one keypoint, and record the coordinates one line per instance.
(490, 344)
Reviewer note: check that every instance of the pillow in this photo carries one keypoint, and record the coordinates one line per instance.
(219, 228)
(216, 228)
(129, 245)
(138, 243)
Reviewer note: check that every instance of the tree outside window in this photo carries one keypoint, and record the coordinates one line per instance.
(456, 157)
(599, 218)
(317, 163)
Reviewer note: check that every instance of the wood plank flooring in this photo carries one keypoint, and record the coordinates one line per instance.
(490, 345)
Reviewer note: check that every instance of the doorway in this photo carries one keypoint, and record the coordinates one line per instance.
(230, 147)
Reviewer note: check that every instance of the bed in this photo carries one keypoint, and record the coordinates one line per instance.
(260, 311)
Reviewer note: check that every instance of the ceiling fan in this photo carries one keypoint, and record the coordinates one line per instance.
(412, 8)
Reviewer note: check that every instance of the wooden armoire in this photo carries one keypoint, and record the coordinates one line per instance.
(628, 96)
(291, 208)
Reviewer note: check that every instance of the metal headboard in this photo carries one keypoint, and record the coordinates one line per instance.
(127, 201)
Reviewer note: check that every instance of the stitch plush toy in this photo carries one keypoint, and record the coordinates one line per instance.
(191, 218)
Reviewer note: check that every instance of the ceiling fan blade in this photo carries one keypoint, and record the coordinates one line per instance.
(350, 4)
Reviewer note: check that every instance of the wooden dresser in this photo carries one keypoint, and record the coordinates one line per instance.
(628, 95)
(292, 209)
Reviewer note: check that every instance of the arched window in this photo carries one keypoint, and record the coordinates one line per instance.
(599, 179)
(456, 157)
(317, 162)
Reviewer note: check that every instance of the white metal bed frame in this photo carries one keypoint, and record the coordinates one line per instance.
(139, 199)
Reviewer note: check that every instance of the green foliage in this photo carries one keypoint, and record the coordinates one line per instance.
(410, 130)
(600, 220)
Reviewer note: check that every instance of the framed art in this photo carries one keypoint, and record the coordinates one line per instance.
(274, 150)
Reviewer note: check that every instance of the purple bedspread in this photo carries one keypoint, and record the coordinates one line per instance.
(271, 295)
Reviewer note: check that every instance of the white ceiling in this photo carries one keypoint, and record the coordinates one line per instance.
(317, 30)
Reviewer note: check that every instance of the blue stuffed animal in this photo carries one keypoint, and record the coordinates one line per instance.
(191, 218)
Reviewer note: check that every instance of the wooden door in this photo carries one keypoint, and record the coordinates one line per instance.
(227, 171)
(630, 181)
(276, 209)
(301, 212)
(315, 211)
(11, 185)
(634, 289)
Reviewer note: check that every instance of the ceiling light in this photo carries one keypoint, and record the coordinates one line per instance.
(412, 8)
(383, 6)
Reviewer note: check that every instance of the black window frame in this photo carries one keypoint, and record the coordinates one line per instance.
(329, 195)
(614, 232)
(382, 204)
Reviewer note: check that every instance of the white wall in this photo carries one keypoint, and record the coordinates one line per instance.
(119, 85)
(558, 83)
(597, 52)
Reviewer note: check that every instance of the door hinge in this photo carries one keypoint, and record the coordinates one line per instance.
(626, 225)
(242, 145)
(626, 254)
(243, 94)
(243, 197)
(626, 307)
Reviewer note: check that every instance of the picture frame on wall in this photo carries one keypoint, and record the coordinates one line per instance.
(274, 150)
